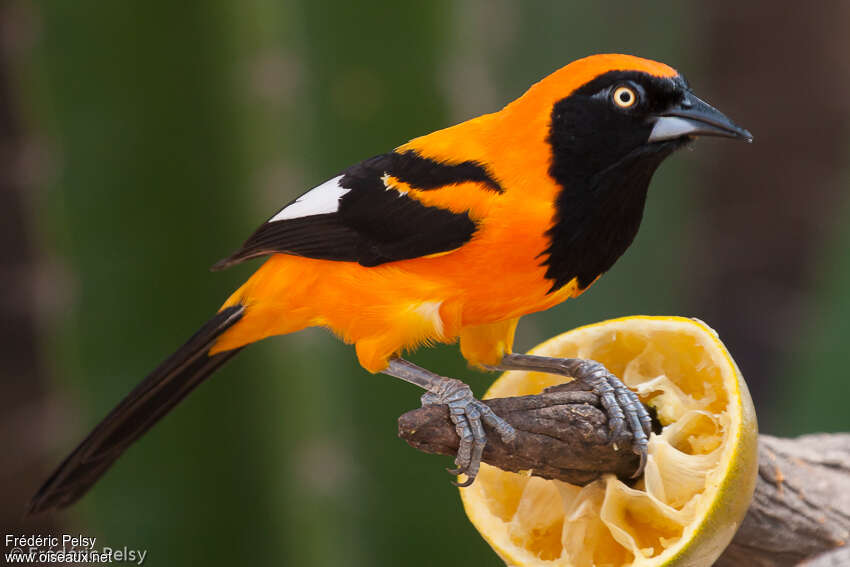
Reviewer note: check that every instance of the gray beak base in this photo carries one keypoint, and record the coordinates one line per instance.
(695, 117)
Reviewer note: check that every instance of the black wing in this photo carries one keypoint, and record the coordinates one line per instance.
(355, 218)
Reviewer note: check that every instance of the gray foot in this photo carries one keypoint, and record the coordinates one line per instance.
(467, 414)
(628, 420)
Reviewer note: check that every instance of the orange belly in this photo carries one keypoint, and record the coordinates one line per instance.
(387, 309)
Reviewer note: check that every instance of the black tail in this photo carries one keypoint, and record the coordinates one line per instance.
(139, 411)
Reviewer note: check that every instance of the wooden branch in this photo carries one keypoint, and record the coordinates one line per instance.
(836, 558)
(561, 434)
(800, 510)
(801, 506)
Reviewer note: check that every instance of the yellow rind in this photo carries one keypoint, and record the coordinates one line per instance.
(705, 539)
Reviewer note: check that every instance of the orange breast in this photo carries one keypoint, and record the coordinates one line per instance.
(396, 306)
(387, 309)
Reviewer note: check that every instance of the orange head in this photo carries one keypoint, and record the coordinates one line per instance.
(605, 123)
(611, 96)
(587, 140)
(563, 82)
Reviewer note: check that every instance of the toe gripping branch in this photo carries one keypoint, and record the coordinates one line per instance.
(629, 421)
(467, 415)
(465, 412)
(561, 433)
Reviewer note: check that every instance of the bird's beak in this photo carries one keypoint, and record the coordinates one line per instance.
(695, 117)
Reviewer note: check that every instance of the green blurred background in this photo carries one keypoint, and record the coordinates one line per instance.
(143, 141)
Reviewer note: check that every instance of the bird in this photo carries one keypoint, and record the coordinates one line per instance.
(450, 237)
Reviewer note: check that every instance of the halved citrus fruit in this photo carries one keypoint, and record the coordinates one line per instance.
(699, 476)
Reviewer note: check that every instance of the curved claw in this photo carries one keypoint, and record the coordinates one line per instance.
(468, 413)
(641, 451)
(465, 483)
(628, 420)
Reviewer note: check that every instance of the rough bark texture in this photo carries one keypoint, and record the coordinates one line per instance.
(800, 510)
(561, 434)
(801, 507)
(837, 558)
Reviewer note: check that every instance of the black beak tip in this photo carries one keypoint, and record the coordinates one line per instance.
(740, 133)
(696, 121)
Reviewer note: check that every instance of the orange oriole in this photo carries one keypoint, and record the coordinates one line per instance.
(452, 236)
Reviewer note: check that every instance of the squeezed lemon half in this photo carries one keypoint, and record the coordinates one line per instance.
(700, 473)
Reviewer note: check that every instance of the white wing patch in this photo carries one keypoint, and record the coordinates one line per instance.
(317, 201)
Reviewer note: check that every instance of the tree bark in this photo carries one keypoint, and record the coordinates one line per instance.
(801, 506)
(800, 510)
(561, 434)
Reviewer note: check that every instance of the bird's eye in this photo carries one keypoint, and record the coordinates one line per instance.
(624, 97)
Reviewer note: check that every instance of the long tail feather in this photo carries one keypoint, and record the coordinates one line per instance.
(154, 397)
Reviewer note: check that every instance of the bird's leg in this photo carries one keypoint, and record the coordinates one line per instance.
(628, 419)
(465, 411)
